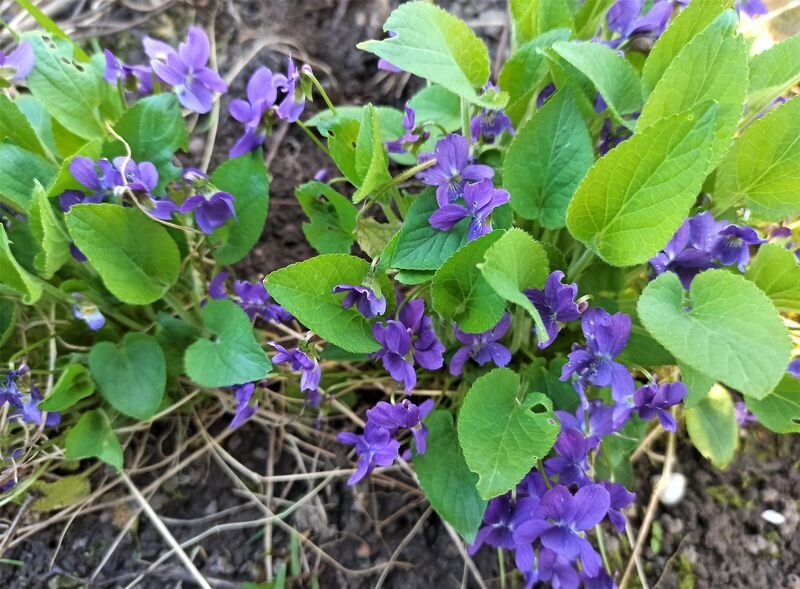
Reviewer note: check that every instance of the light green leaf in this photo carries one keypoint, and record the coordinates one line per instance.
(532, 18)
(332, 218)
(233, 356)
(19, 171)
(436, 104)
(373, 236)
(697, 383)
(15, 127)
(445, 478)
(50, 234)
(547, 160)
(503, 434)
(131, 376)
(74, 384)
(525, 73)
(513, 264)
(14, 276)
(776, 272)
(92, 437)
(246, 178)
(613, 76)
(304, 289)
(342, 143)
(135, 256)
(762, 170)
(439, 47)
(70, 91)
(371, 163)
(780, 410)
(589, 16)
(712, 67)
(420, 246)
(460, 293)
(63, 492)
(635, 198)
(390, 119)
(690, 22)
(731, 331)
(772, 73)
(712, 427)
(154, 129)
(39, 120)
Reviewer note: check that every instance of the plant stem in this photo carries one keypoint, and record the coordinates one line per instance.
(465, 121)
(501, 564)
(577, 266)
(314, 138)
(601, 544)
(322, 93)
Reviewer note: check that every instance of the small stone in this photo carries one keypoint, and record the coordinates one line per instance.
(674, 490)
(770, 495)
(773, 517)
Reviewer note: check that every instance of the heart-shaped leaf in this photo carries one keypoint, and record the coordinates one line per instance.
(233, 356)
(131, 376)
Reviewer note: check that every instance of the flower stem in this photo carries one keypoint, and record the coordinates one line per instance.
(322, 93)
(465, 121)
(577, 266)
(601, 544)
(314, 138)
(501, 565)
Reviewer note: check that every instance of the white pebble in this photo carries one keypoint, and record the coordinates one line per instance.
(674, 490)
(773, 517)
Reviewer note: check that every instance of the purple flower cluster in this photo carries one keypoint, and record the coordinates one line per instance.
(309, 368)
(409, 339)
(556, 305)
(480, 199)
(452, 170)
(378, 445)
(252, 297)
(702, 243)
(489, 124)
(24, 398)
(108, 178)
(261, 107)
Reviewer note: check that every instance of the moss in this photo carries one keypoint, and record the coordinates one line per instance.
(727, 496)
(685, 573)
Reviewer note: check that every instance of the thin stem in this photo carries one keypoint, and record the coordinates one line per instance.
(501, 564)
(577, 266)
(314, 138)
(322, 93)
(465, 121)
(402, 177)
(601, 544)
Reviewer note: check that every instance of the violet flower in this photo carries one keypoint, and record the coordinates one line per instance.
(557, 570)
(656, 399)
(595, 421)
(624, 18)
(556, 304)
(794, 368)
(368, 303)
(489, 124)
(564, 519)
(21, 60)
(602, 581)
(403, 415)
(100, 179)
(481, 198)
(246, 406)
(606, 337)
(481, 347)
(427, 349)
(210, 212)
(689, 251)
(261, 96)
(25, 403)
(310, 370)
(88, 312)
(743, 415)
(116, 70)
(375, 447)
(396, 344)
(501, 521)
(186, 69)
(619, 499)
(252, 297)
(733, 247)
(452, 169)
(751, 8)
(294, 101)
(572, 463)
(612, 135)
(409, 138)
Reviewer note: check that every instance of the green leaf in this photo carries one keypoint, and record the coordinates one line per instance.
(131, 376)
(175, 335)
(92, 437)
(246, 178)
(780, 410)
(437, 46)
(233, 356)
(304, 289)
(445, 478)
(772, 73)
(332, 218)
(731, 331)
(613, 75)
(525, 73)
(588, 17)
(712, 427)
(460, 293)
(373, 236)
(503, 436)
(63, 492)
(435, 104)
(775, 271)
(70, 91)
(532, 18)
(420, 246)
(513, 264)
(15, 127)
(74, 384)
(39, 120)
(49, 25)
(546, 161)
(14, 276)
(154, 130)
(762, 170)
(712, 67)
(697, 383)
(50, 234)
(634, 199)
(19, 171)
(342, 143)
(390, 119)
(8, 319)
(371, 163)
(690, 21)
(135, 256)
